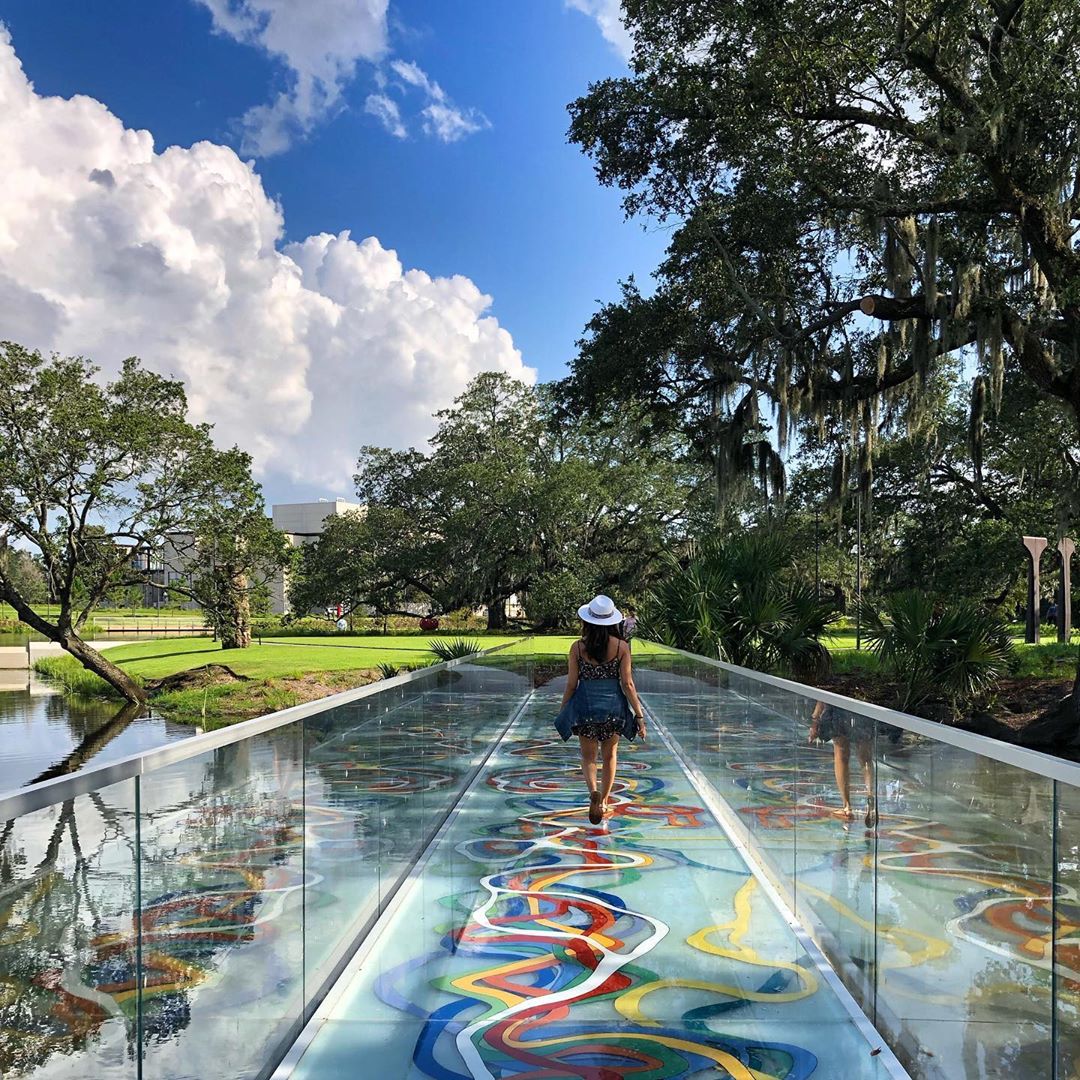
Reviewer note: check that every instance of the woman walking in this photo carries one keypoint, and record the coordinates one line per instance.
(600, 702)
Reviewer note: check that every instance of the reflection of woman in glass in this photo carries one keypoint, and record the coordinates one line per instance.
(844, 729)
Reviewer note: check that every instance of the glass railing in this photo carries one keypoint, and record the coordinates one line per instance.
(181, 913)
(946, 894)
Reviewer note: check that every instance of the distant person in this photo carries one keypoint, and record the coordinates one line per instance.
(600, 703)
(843, 729)
(629, 625)
(1052, 612)
(1020, 613)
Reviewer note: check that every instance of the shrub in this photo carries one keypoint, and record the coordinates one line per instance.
(740, 599)
(283, 626)
(958, 652)
(452, 648)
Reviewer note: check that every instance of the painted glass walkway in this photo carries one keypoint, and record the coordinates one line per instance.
(530, 944)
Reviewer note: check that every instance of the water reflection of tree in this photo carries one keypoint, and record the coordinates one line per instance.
(42, 911)
(80, 715)
(91, 744)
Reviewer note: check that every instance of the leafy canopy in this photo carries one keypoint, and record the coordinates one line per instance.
(863, 190)
(97, 479)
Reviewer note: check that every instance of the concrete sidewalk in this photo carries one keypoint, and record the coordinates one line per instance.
(22, 657)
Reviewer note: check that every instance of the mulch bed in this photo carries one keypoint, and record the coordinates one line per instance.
(1016, 702)
(1015, 705)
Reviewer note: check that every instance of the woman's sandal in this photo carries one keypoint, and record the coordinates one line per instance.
(596, 812)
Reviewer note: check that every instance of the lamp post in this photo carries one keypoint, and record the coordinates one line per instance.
(817, 553)
(858, 571)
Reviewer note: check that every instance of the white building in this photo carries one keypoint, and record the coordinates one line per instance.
(164, 569)
(302, 523)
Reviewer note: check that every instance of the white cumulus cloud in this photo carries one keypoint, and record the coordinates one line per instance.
(608, 15)
(319, 41)
(300, 353)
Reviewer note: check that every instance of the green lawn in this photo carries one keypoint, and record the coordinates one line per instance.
(278, 658)
(284, 658)
(844, 638)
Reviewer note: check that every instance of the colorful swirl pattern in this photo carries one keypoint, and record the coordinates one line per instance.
(568, 962)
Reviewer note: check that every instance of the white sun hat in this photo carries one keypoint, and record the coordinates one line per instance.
(601, 611)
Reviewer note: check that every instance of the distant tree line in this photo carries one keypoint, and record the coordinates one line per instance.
(516, 496)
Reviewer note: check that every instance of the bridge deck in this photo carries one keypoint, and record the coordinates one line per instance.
(531, 944)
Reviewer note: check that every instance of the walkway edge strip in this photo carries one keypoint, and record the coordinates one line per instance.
(401, 891)
(725, 817)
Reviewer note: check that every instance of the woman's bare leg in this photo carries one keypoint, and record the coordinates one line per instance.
(841, 767)
(865, 752)
(588, 762)
(609, 750)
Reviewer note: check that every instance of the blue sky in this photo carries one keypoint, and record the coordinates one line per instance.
(511, 206)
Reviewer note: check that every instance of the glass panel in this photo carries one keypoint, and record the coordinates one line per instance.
(1067, 932)
(348, 790)
(963, 920)
(222, 862)
(748, 755)
(68, 987)
(382, 775)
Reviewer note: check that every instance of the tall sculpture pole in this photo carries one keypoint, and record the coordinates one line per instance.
(1066, 548)
(1035, 545)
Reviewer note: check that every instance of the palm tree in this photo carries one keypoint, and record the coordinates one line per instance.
(742, 600)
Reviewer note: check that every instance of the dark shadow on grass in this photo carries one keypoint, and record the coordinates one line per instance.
(327, 645)
(166, 655)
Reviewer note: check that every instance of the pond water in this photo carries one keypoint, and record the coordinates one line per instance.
(41, 731)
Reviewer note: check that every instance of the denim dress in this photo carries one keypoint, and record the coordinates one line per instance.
(598, 706)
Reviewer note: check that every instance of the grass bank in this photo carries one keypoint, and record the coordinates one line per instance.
(225, 685)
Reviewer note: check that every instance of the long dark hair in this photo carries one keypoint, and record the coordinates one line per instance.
(595, 640)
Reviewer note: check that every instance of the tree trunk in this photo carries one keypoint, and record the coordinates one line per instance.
(496, 614)
(236, 627)
(94, 661)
